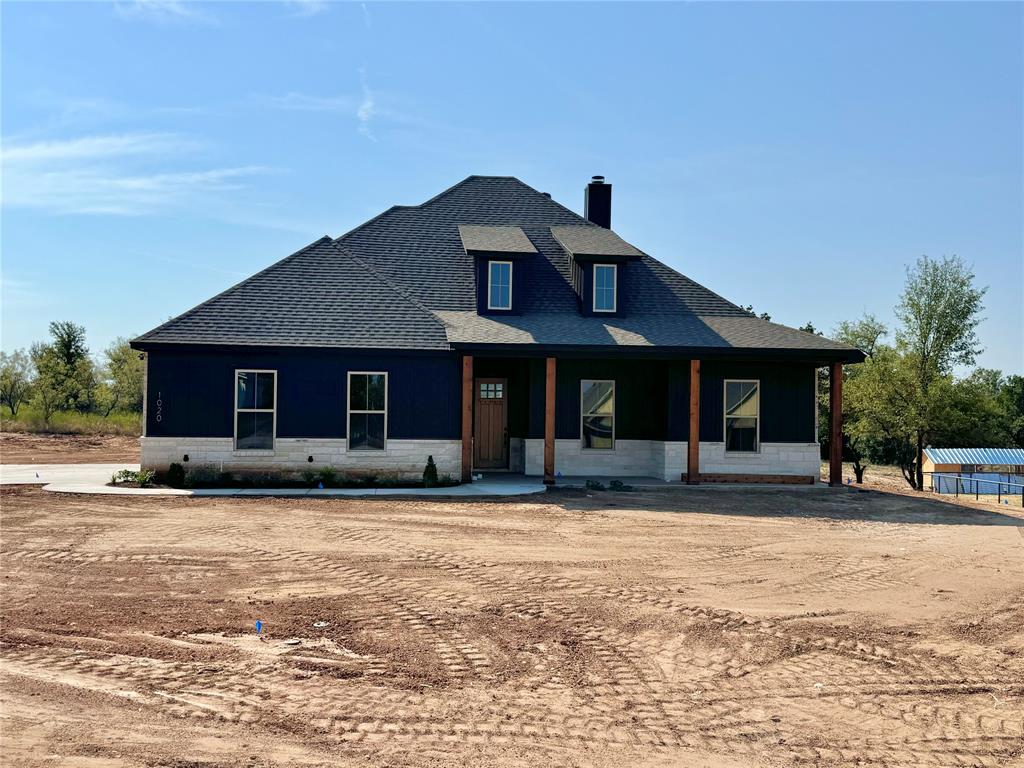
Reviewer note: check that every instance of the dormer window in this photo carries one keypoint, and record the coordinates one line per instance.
(605, 298)
(499, 285)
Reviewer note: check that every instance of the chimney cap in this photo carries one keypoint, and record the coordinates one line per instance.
(597, 179)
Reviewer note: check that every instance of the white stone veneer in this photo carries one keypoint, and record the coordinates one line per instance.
(667, 460)
(406, 457)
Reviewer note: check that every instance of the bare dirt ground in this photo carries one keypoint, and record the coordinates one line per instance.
(26, 448)
(696, 627)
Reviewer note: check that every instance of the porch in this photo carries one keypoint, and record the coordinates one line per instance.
(571, 418)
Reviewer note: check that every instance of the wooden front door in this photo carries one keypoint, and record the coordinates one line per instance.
(490, 424)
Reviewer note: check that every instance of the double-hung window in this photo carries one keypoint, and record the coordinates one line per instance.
(499, 285)
(255, 410)
(605, 299)
(367, 411)
(742, 415)
(597, 413)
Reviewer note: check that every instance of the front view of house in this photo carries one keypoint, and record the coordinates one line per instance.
(495, 330)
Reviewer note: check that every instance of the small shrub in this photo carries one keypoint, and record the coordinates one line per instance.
(447, 481)
(389, 480)
(201, 477)
(430, 473)
(143, 478)
(176, 475)
(595, 485)
(618, 485)
(309, 477)
(328, 476)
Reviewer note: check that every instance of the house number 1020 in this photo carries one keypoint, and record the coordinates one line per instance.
(159, 406)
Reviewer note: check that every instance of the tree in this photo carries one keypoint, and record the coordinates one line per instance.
(1011, 404)
(49, 392)
(123, 373)
(939, 312)
(865, 334)
(15, 379)
(764, 315)
(65, 370)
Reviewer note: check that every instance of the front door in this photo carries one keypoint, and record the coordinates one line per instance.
(490, 424)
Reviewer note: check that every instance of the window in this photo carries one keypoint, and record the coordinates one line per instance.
(492, 390)
(742, 414)
(255, 403)
(499, 285)
(604, 287)
(597, 406)
(367, 411)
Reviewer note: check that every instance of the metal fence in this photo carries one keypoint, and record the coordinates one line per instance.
(976, 486)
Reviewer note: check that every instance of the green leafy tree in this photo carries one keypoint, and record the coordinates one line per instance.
(1011, 404)
(65, 369)
(123, 373)
(865, 334)
(939, 312)
(15, 379)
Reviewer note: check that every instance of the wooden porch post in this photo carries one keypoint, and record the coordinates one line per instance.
(835, 408)
(467, 418)
(549, 423)
(693, 441)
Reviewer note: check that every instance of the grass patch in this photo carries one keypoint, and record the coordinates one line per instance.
(71, 422)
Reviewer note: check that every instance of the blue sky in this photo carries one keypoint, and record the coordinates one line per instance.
(790, 156)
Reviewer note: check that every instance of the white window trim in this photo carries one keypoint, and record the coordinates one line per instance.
(349, 412)
(725, 416)
(615, 394)
(273, 438)
(615, 287)
(511, 269)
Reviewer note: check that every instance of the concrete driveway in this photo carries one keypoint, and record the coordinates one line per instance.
(61, 474)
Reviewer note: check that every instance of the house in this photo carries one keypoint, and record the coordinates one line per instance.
(955, 470)
(494, 329)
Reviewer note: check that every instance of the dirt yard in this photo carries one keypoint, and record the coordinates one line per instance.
(702, 627)
(26, 448)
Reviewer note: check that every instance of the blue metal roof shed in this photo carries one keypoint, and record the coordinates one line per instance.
(976, 456)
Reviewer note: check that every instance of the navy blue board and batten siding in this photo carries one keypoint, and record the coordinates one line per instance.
(197, 397)
(652, 398)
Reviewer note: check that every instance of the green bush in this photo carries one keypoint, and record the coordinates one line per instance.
(595, 485)
(430, 473)
(143, 478)
(328, 476)
(618, 485)
(176, 475)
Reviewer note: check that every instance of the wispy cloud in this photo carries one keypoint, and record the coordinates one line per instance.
(95, 147)
(112, 175)
(367, 22)
(307, 7)
(301, 102)
(367, 108)
(164, 11)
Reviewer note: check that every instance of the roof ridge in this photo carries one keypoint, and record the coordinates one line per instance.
(387, 281)
(231, 288)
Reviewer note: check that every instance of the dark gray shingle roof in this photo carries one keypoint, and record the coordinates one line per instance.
(403, 280)
(476, 239)
(319, 296)
(594, 241)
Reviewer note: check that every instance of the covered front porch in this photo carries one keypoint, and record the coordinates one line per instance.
(578, 416)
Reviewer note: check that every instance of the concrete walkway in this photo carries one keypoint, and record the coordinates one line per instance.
(93, 478)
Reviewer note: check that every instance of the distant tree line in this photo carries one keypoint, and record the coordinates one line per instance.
(60, 376)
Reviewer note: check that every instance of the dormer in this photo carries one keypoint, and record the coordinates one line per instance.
(500, 256)
(600, 261)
